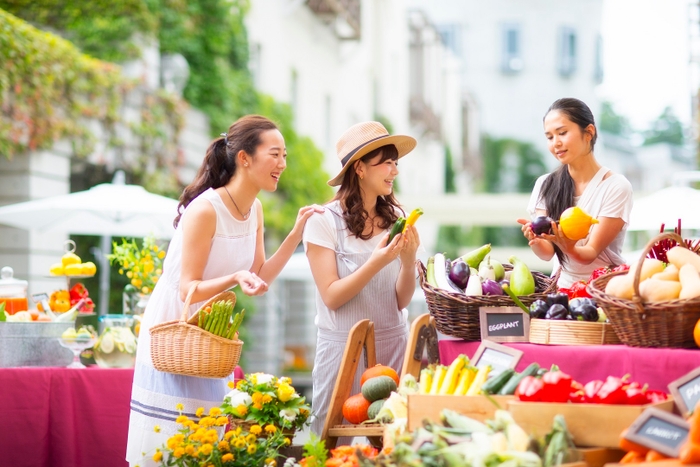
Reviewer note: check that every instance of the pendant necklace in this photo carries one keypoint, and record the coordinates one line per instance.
(246, 215)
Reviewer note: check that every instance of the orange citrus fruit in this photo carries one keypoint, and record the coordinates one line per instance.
(696, 333)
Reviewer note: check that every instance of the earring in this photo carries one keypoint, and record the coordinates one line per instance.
(245, 165)
(362, 177)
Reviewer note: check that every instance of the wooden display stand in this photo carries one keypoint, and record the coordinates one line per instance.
(361, 337)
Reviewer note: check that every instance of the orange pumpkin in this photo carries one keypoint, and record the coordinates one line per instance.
(355, 409)
(379, 370)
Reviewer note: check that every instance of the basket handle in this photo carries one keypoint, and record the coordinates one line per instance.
(638, 271)
(188, 300)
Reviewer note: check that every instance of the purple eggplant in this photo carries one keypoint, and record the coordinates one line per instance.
(489, 287)
(459, 273)
(542, 225)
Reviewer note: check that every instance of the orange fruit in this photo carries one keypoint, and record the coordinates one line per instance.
(696, 333)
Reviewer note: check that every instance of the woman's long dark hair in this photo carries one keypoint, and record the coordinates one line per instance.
(219, 163)
(558, 189)
(354, 212)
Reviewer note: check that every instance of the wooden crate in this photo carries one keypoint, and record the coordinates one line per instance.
(597, 425)
(424, 406)
(598, 457)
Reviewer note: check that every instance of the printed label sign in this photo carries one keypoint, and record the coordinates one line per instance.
(686, 392)
(504, 324)
(498, 356)
(660, 431)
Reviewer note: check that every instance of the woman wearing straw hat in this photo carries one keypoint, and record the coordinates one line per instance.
(357, 275)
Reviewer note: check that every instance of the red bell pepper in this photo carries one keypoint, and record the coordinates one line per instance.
(654, 396)
(530, 389)
(590, 391)
(636, 394)
(612, 391)
(557, 386)
(577, 397)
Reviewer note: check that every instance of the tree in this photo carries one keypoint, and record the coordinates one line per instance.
(666, 129)
(612, 122)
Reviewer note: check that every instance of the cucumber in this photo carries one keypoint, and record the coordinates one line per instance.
(512, 384)
(493, 385)
(397, 228)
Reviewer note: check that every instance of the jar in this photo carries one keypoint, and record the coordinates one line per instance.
(116, 346)
(13, 292)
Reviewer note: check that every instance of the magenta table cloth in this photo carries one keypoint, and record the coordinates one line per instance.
(63, 417)
(656, 367)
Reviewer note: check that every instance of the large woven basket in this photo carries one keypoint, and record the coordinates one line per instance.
(183, 348)
(457, 314)
(246, 424)
(658, 324)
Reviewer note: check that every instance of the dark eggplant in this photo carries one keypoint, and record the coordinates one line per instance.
(538, 309)
(489, 287)
(584, 309)
(557, 311)
(541, 225)
(459, 273)
(558, 298)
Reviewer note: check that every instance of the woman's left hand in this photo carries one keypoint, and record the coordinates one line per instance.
(409, 245)
(559, 239)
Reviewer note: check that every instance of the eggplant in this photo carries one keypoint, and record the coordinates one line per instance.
(490, 287)
(538, 309)
(558, 298)
(584, 309)
(557, 311)
(541, 225)
(459, 273)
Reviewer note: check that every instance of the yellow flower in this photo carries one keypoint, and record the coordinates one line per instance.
(285, 392)
(270, 462)
(156, 428)
(230, 385)
(257, 406)
(242, 410)
(255, 429)
(206, 449)
(285, 380)
(227, 457)
(214, 412)
(239, 443)
(206, 421)
(181, 419)
(223, 445)
(199, 412)
(158, 456)
(221, 421)
(251, 438)
(161, 254)
(257, 398)
(189, 450)
(178, 453)
(270, 429)
(172, 443)
(267, 399)
(228, 435)
(179, 407)
(238, 430)
(252, 449)
(240, 384)
(287, 441)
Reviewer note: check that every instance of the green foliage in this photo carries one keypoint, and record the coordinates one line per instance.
(611, 122)
(450, 185)
(529, 165)
(666, 129)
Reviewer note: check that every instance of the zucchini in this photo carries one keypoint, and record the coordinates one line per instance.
(493, 385)
(397, 228)
(512, 385)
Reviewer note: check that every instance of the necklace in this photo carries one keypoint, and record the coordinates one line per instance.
(246, 215)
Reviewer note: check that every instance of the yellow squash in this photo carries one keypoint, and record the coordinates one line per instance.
(575, 223)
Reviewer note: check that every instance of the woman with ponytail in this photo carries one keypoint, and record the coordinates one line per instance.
(219, 241)
(581, 181)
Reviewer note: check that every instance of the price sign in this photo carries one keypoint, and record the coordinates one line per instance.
(504, 324)
(498, 356)
(660, 431)
(686, 392)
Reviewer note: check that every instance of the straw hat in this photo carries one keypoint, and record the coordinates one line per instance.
(363, 138)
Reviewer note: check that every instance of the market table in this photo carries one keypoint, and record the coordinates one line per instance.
(63, 417)
(656, 367)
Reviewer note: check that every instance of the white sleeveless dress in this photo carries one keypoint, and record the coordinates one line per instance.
(155, 394)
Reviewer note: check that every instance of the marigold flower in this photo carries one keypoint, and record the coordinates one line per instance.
(287, 441)
(231, 385)
(199, 412)
(228, 435)
(257, 406)
(156, 428)
(181, 419)
(239, 443)
(172, 443)
(242, 409)
(251, 438)
(206, 421)
(179, 407)
(271, 429)
(238, 430)
(189, 450)
(255, 429)
(221, 421)
(206, 449)
(158, 456)
(214, 412)
(240, 384)
(257, 398)
(223, 445)
(227, 457)
(252, 449)
(266, 399)
(270, 462)
(178, 453)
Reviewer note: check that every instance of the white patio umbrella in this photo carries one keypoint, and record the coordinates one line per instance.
(666, 206)
(107, 210)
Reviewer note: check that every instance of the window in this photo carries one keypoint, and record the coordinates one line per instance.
(599, 74)
(450, 35)
(567, 51)
(512, 61)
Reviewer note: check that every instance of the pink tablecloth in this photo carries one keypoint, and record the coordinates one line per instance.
(657, 367)
(61, 417)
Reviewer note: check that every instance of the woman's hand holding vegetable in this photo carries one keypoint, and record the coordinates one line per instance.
(540, 246)
(410, 241)
(384, 254)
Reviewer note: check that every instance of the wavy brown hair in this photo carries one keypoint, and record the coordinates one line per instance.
(354, 213)
(219, 163)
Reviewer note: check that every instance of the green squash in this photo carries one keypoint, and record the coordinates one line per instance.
(374, 408)
(378, 387)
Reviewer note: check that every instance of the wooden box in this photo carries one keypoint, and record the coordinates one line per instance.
(424, 406)
(597, 425)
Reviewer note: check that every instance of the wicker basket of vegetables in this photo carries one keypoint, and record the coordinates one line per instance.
(654, 305)
(454, 304)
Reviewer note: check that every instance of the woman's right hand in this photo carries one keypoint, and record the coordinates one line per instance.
(533, 239)
(250, 283)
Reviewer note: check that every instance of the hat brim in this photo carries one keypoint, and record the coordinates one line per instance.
(404, 144)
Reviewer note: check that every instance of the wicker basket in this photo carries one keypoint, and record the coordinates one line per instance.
(246, 424)
(457, 314)
(568, 332)
(181, 347)
(657, 324)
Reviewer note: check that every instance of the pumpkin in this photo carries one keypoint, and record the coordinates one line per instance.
(374, 408)
(379, 370)
(355, 409)
(378, 387)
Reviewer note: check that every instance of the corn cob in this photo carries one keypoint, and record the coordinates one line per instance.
(438, 377)
(450, 382)
(426, 379)
(479, 380)
(466, 377)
